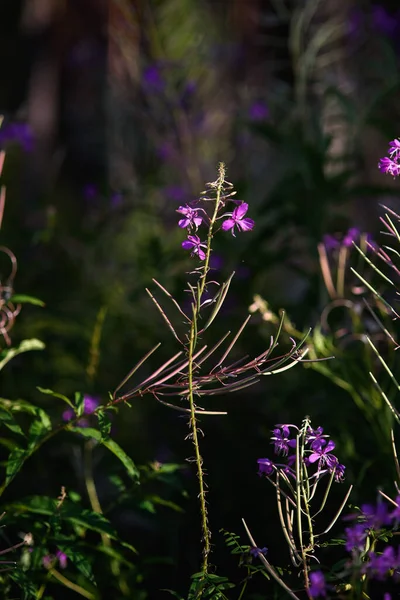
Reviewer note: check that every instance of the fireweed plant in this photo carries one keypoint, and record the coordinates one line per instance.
(185, 376)
(306, 460)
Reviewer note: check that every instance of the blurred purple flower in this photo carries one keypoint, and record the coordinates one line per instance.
(355, 537)
(90, 191)
(258, 111)
(376, 516)
(382, 21)
(153, 79)
(237, 220)
(380, 564)
(195, 245)
(166, 151)
(351, 236)
(396, 513)
(192, 217)
(89, 406)
(330, 242)
(216, 262)
(355, 22)
(17, 133)
(116, 199)
(175, 192)
(62, 559)
(317, 584)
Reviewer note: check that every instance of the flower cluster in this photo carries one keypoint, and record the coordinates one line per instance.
(332, 243)
(194, 217)
(391, 164)
(317, 450)
(370, 524)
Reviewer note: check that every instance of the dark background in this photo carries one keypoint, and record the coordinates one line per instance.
(115, 113)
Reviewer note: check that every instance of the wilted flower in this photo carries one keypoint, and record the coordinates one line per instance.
(265, 466)
(196, 246)
(237, 220)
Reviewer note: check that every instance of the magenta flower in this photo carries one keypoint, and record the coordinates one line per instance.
(394, 148)
(62, 559)
(237, 220)
(195, 245)
(321, 453)
(389, 166)
(192, 217)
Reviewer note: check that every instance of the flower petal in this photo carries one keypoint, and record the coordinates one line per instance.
(228, 224)
(245, 224)
(240, 211)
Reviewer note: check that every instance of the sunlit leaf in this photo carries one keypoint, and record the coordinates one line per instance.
(25, 346)
(24, 299)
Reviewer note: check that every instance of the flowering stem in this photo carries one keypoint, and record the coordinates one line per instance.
(196, 307)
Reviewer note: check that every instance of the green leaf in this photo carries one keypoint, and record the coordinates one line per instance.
(104, 424)
(79, 404)
(29, 590)
(24, 299)
(25, 346)
(14, 463)
(90, 432)
(49, 392)
(7, 419)
(87, 519)
(37, 431)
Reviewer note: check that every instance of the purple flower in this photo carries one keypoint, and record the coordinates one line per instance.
(237, 220)
(257, 551)
(258, 111)
(389, 166)
(394, 148)
(196, 246)
(19, 133)
(90, 191)
(396, 513)
(339, 472)
(321, 453)
(355, 537)
(317, 584)
(351, 236)
(265, 466)
(62, 559)
(315, 434)
(281, 440)
(175, 192)
(379, 564)
(153, 79)
(383, 21)
(376, 517)
(330, 242)
(89, 406)
(192, 217)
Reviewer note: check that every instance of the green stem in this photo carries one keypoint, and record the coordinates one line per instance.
(206, 534)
